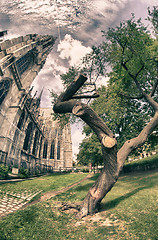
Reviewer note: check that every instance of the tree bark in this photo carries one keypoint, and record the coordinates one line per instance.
(113, 161)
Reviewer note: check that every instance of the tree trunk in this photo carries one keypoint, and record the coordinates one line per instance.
(113, 161)
(103, 184)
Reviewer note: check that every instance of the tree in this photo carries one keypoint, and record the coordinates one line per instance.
(131, 52)
(90, 152)
(124, 116)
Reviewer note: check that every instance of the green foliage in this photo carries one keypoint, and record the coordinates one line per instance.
(132, 54)
(70, 76)
(153, 141)
(85, 170)
(153, 18)
(123, 116)
(95, 63)
(90, 152)
(4, 171)
(23, 173)
(149, 163)
(131, 44)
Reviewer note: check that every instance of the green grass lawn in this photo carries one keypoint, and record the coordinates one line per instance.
(127, 212)
(143, 164)
(43, 183)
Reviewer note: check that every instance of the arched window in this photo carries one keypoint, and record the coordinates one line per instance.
(45, 150)
(58, 151)
(39, 155)
(52, 150)
(28, 136)
(15, 141)
(23, 63)
(4, 89)
(21, 120)
(16, 136)
(34, 150)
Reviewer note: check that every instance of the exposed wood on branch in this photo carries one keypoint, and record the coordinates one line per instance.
(108, 142)
(78, 110)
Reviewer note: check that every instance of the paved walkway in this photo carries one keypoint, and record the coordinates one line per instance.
(10, 201)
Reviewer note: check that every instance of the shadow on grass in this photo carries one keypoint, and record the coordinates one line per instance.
(138, 175)
(145, 182)
(113, 203)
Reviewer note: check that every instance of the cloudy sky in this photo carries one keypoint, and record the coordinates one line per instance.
(77, 24)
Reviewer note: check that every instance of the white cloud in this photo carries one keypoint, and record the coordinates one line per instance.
(49, 78)
(72, 50)
(149, 2)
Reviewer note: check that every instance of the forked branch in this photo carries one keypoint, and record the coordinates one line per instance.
(67, 103)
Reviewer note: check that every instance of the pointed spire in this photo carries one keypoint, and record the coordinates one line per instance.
(41, 94)
(30, 90)
(35, 94)
(39, 98)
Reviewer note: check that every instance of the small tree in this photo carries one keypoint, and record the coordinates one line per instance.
(131, 53)
(90, 152)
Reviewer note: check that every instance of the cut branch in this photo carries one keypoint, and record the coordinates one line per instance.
(108, 142)
(95, 95)
(89, 116)
(73, 88)
(86, 113)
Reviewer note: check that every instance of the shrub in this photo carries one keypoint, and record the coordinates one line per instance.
(3, 171)
(85, 170)
(23, 173)
(37, 172)
(149, 163)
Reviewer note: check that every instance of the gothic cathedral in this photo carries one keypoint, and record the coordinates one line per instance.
(29, 138)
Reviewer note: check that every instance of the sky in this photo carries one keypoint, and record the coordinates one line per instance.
(77, 24)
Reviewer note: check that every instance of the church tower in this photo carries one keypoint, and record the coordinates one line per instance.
(22, 129)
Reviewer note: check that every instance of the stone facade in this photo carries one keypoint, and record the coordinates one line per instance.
(29, 137)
